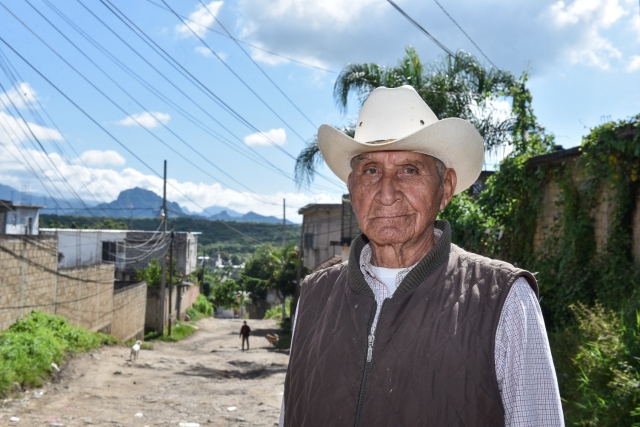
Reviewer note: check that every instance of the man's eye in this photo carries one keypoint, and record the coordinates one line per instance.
(410, 171)
(370, 171)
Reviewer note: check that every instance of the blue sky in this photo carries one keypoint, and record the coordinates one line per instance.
(583, 57)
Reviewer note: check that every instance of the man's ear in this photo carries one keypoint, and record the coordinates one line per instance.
(450, 182)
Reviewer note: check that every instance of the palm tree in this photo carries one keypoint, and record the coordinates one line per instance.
(455, 86)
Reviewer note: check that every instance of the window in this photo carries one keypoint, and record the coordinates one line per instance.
(109, 251)
(308, 240)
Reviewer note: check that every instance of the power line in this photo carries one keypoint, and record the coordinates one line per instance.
(112, 136)
(227, 35)
(134, 100)
(249, 87)
(465, 33)
(41, 122)
(258, 66)
(421, 28)
(33, 135)
(189, 76)
(161, 96)
(180, 68)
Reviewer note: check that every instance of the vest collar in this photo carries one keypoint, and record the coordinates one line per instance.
(430, 263)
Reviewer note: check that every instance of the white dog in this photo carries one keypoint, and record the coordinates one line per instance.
(135, 351)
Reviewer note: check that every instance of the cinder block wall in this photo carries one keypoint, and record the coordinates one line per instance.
(129, 309)
(27, 276)
(30, 280)
(85, 296)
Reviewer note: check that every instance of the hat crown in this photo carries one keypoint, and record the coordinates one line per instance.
(392, 113)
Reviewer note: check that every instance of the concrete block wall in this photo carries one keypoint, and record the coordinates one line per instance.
(129, 310)
(187, 298)
(85, 296)
(27, 276)
(30, 280)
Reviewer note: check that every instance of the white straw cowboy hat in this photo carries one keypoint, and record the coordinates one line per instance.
(399, 120)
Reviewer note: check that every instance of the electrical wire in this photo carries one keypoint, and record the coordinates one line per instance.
(244, 83)
(259, 67)
(41, 122)
(249, 154)
(246, 43)
(421, 28)
(136, 102)
(111, 135)
(465, 33)
(206, 89)
(185, 73)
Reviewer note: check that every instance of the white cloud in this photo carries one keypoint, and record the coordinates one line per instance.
(206, 52)
(19, 96)
(106, 183)
(589, 19)
(147, 119)
(102, 158)
(546, 35)
(273, 136)
(634, 64)
(14, 130)
(203, 17)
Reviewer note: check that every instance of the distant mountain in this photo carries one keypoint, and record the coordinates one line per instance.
(135, 202)
(254, 217)
(214, 210)
(53, 205)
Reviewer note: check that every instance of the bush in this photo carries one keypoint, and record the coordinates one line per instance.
(597, 362)
(203, 305)
(30, 345)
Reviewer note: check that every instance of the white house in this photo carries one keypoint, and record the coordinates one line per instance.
(19, 218)
(128, 250)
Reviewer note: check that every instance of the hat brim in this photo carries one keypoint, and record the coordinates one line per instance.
(456, 142)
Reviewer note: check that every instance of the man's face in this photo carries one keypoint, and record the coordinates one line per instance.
(396, 195)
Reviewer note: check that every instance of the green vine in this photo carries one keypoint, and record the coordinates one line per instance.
(589, 285)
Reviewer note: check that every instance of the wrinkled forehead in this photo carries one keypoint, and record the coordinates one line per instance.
(381, 155)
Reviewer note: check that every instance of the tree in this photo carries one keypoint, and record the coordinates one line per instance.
(455, 86)
(283, 272)
(153, 272)
(271, 269)
(226, 294)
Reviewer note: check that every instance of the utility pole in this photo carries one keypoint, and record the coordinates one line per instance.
(284, 220)
(163, 258)
(171, 282)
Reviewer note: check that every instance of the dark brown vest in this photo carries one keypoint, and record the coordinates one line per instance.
(433, 358)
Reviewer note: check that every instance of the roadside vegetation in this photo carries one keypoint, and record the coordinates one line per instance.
(30, 346)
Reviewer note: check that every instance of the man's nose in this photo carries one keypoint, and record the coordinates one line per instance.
(389, 193)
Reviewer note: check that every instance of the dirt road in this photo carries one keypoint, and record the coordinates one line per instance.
(204, 379)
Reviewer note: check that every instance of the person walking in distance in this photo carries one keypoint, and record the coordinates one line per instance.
(244, 334)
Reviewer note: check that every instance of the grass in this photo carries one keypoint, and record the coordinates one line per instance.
(34, 342)
(178, 333)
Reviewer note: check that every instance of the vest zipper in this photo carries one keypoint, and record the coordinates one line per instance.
(371, 338)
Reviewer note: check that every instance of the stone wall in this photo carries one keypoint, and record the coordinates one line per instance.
(129, 309)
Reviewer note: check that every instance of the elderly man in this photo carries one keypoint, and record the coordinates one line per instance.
(413, 330)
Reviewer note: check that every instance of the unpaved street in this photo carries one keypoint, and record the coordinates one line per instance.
(198, 380)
